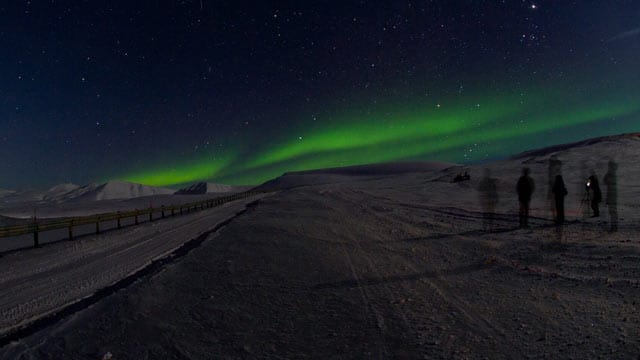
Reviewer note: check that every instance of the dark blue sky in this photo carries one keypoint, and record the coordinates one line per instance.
(165, 92)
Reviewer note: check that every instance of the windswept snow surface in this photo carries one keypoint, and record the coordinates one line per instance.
(395, 266)
(39, 281)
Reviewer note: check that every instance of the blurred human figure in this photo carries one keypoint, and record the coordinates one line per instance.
(559, 191)
(611, 182)
(488, 188)
(585, 202)
(595, 194)
(525, 188)
(555, 169)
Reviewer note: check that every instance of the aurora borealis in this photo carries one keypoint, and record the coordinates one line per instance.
(430, 134)
(240, 93)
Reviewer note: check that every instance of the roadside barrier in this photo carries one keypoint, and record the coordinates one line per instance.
(36, 226)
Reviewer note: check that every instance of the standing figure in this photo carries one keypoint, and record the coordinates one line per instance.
(488, 189)
(559, 192)
(611, 181)
(525, 188)
(555, 168)
(585, 202)
(594, 193)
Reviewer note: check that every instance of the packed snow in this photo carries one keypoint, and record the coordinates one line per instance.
(385, 266)
(37, 282)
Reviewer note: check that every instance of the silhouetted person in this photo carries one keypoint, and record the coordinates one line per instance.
(559, 191)
(611, 181)
(555, 169)
(594, 194)
(525, 188)
(488, 188)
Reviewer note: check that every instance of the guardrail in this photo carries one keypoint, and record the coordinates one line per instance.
(36, 227)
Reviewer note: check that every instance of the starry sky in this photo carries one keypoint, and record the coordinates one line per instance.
(172, 92)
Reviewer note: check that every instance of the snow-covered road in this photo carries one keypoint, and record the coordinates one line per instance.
(41, 281)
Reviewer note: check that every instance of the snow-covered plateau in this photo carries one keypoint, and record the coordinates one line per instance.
(365, 263)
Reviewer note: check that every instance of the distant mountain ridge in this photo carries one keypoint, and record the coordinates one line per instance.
(92, 192)
(209, 188)
(560, 147)
(58, 191)
(338, 174)
(114, 190)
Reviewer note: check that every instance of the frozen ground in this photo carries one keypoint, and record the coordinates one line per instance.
(37, 282)
(393, 266)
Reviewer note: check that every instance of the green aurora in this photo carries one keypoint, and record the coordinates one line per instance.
(448, 131)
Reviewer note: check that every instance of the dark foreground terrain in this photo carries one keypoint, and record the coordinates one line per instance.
(386, 267)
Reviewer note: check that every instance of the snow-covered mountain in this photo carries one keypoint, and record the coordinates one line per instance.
(114, 190)
(91, 192)
(57, 192)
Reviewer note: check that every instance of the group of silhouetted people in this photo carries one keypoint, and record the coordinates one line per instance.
(558, 191)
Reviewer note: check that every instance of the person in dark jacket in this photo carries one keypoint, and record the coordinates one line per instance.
(610, 180)
(559, 192)
(595, 194)
(525, 188)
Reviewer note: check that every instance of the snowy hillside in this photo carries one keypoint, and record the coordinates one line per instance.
(347, 173)
(210, 188)
(70, 192)
(58, 192)
(366, 264)
(115, 190)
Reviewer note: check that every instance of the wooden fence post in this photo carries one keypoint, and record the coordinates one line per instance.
(119, 225)
(150, 213)
(36, 240)
(71, 229)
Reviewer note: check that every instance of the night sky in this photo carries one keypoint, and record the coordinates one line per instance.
(172, 92)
